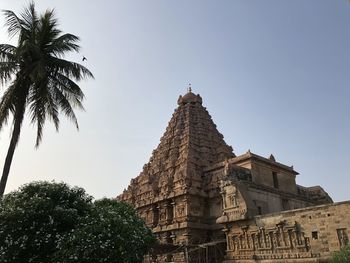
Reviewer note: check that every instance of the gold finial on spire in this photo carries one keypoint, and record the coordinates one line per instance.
(189, 87)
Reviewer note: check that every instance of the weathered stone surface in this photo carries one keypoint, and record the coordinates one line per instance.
(307, 234)
(194, 191)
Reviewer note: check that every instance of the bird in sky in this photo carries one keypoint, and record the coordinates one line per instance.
(84, 58)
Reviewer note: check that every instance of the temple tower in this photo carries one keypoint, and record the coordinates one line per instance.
(170, 193)
(202, 201)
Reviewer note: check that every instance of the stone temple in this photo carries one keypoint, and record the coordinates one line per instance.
(205, 204)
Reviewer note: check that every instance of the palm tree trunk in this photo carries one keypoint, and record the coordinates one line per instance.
(14, 139)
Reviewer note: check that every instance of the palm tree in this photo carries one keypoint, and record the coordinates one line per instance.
(39, 79)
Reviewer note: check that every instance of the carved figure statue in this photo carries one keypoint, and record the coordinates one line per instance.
(234, 198)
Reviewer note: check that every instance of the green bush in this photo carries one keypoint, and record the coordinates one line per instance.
(342, 256)
(111, 233)
(52, 222)
(36, 216)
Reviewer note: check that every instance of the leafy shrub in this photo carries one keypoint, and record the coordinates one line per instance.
(111, 233)
(52, 222)
(34, 218)
(342, 256)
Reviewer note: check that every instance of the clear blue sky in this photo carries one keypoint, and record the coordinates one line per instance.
(274, 75)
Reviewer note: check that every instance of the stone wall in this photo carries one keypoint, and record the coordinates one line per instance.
(260, 198)
(264, 170)
(302, 235)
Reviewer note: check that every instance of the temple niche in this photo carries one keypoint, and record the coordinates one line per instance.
(205, 204)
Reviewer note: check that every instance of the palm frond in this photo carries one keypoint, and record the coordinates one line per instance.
(13, 101)
(28, 32)
(40, 121)
(74, 100)
(7, 51)
(6, 105)
(52, 109)
(7, 70)
(65, 106)
(70, 69)
(30, 19)
(62, 44)
(37, 99)
(67, 85)
(47, 29)
(13, 23)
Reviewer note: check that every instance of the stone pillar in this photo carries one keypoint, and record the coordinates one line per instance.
(228, 243)
(223, 195)
(173, 203)
(186, 203)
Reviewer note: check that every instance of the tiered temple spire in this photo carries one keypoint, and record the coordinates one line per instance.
(190, 143)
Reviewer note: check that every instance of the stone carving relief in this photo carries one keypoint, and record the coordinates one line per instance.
(233, 204)
(230, 194)
(162, 214)
(180, 210)
(269, 243)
